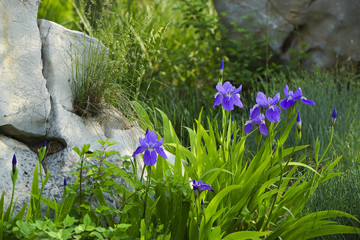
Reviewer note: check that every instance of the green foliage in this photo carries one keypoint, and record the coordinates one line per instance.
(61, 12)
(257, 194)
(34, 211)
(330, 89)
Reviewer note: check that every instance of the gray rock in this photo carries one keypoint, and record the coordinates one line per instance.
(327, 28)
(24, 99)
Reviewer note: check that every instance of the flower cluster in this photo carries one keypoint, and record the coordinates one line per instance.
(229, 96)
(152, 147)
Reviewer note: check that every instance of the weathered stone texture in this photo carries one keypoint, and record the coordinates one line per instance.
(24, 99)
(329, 28)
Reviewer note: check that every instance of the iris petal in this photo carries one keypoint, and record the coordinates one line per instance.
(161, 152)
(151, 137)
(142, 141)
(254, 112)
(220, 88)
(297, 94)
(307, 101)
(238, 90)
(159, 143)
(147, 158)
(263, 129)
(205, 186)
(218, 99)
(275, 99)
(286, 91)
(273, 114)
(228, 87)
(261, 100)
(227, 104)
(140, 149)
(236, 100)
(150, 157)
(248, 127)
(286, 103)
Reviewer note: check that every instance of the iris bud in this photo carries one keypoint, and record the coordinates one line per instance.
(334, 115)
(222, 68)
(14, 161)
(298, 120)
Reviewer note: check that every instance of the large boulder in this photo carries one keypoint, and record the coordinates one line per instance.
(325, 29)
(24, 99)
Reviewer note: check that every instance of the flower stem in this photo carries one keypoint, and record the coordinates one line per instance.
(147, 190)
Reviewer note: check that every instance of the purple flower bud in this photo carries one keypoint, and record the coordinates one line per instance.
(222, 68)
(298, 120)
(45, 143)
(14, 161)
(334, 115)
(232, 136)
(202, 202)
(65, 182)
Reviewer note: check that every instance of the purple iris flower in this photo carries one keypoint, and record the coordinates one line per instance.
(152, 148)
(256, 118)
(65, 182)
(292, 97)
(200, 186)
(272, 111)
(228, 95)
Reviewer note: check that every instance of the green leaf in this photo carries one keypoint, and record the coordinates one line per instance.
(2, 205)
(69, 221)
(215, 233)
(19, 215)
(303, 165)
(32, 212)
(169, 132)
(109, 153)
(87, 220)
(142, 115)
(97, 235)
(244, 235)
(286, 132)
